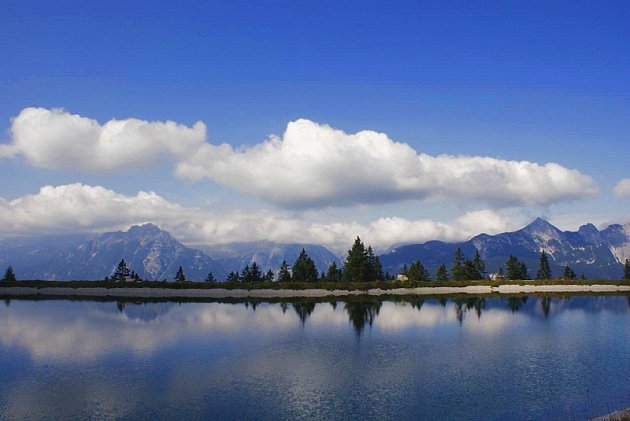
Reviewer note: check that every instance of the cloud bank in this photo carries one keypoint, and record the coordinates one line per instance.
(75, 208)
(622, 189)
(311, 166)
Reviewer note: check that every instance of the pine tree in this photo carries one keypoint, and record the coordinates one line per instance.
(544, 271)
(479, 265)
(9, 275)
(255, 273)
(522, 270)
(457, 272)
(233, 277)
(441, 274)
(333, 274)
(179, 276)
(417, 272)
(626, 270)
(283, 274)
(304, 269)
(515, 270)
(269, 276)
(471, 273)
(122, 271)
(569, 273)
(210, 278)
(356, 265)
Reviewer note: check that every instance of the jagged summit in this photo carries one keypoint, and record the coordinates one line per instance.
(145, 229)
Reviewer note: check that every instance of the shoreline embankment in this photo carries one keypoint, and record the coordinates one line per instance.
(17, 291)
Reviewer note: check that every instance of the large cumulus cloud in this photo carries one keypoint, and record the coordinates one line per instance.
(75, 208)
(310, 166)
(314, 165)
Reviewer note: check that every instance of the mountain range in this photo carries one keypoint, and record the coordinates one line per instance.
(595, 254)
(154, 254)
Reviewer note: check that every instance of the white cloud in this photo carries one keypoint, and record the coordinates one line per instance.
(60, 140)
(82, 208)
(622, 189)
(311, 166)
(314, 165)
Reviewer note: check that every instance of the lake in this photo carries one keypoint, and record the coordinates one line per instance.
(453, 358)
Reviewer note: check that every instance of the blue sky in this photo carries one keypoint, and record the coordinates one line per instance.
(518, 81)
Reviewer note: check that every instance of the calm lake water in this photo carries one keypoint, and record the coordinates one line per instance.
(492, 358)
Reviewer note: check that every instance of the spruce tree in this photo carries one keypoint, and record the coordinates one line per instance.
(255, 273)
(569, 273)
(233, 277)
(479, 265)
(500, 274)
(210, 278)
(356, 265)
(457, 272)
(522, 270)
(626, 270)
(441, 274)
(514, 269)
(334, 274)
(9, 275)
(544, 271)
(304, 269)
(269, 276)
(417, 272)
(122, 272)
(179, 276)
(283, 274)
(471, 273)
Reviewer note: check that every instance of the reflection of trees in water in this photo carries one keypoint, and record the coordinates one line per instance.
(545, 304)
(7, 302)
(463, 305)
(304, 309)
(362, 312)
(284, 307)
(515, 303)
(333, 304)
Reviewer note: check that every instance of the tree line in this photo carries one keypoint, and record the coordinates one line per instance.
(362, 265)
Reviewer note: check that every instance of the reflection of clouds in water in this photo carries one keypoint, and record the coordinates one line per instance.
(327, 316)
(86, 335)
(394, 317)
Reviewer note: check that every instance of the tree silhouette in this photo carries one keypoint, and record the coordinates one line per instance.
(122, 272)
(544, 271)
(179, 276)
(9, 275)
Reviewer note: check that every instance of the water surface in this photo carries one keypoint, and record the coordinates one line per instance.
(474, 358)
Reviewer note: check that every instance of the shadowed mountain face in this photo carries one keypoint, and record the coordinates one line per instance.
(594, 253)
(154, 254)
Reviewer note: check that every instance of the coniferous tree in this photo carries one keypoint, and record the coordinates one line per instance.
(356, 265)
(246, 275)
(210, 278)
(479, 265)
(269, 276)
(471, 273)
(441, 274)
(255, 273)
(626, 270)
(304, 269)
(122, 272)
(334, 274)
(233, 277)
(283, 274)
(523, 272)
(544, 270)
(417, 272)
(179, 276)
(404, 270)
(515, 270)
(136, 277)
(457, 272)
(569, 273)
(500, 274)
(9, 275)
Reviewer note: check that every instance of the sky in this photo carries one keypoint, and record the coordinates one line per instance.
(313, 122)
